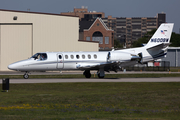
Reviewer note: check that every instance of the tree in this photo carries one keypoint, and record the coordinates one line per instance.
(175, 39)
(117, 44)
(144, 39)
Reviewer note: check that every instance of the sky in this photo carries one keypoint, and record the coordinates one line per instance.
(115, 8)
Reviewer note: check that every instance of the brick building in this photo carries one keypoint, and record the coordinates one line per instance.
(126, 30)
(97, 31)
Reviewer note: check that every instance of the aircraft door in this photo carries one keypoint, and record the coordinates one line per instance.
(60, 61)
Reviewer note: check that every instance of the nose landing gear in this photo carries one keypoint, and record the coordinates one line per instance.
(26, 76)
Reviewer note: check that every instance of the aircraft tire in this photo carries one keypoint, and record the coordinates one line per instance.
(100, 76)
(26, 76)
(88, 75)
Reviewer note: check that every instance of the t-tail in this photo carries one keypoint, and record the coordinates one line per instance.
(159, 42)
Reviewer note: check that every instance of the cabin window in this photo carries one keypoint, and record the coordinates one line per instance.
(60, 56)
(66, 56)
(77, 56)
(40, 56)
(83, 56)
(43, 56)
(89, 56)
(72, 56)
(95, 56)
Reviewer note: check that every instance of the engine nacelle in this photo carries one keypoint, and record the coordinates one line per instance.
(119, 56)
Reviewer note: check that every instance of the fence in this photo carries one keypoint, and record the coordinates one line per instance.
(155, 66)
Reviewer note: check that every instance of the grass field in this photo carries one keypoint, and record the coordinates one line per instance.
(91, 101)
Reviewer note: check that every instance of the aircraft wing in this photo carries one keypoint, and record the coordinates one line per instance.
(109, 65)
(95, 66)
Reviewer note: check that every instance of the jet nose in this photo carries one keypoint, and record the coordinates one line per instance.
(11, 67)
(17, 65)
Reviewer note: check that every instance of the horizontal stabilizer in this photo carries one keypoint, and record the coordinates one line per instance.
(159, 46)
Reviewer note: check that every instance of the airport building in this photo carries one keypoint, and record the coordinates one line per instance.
(126, 30)
(23, 34)
(173, 56)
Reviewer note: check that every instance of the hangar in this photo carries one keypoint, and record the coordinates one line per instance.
(23, 34)
(173, 56)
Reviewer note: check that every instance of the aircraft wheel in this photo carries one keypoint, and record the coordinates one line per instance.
(88, 75)
(100, 76)
(26, 76)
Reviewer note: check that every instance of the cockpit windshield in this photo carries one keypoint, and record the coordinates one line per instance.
(40, 56)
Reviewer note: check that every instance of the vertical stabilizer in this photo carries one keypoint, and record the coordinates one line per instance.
(162, 35)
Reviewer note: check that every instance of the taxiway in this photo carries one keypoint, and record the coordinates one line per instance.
(163, 79)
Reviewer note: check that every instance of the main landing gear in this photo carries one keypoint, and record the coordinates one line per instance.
(100, 73)
(26, 76)
(87, 73)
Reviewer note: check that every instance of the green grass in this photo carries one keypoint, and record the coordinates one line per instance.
(175, 69)
(142, 75)
(102, 101)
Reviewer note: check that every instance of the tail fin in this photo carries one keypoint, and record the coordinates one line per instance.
(161, 36)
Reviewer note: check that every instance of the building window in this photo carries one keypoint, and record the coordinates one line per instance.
(100, 48)
(88, 38)
(15, 18)
(106, 40)
(99, 39)
(97, 24)
(98, 36)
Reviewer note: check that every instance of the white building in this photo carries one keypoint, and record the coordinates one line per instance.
(173, 56)
(23, 34)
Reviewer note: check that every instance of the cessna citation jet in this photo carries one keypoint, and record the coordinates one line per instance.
(101, 61)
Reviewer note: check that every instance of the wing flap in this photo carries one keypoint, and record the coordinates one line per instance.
(96, 65)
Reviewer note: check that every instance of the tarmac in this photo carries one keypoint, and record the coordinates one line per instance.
(163, 79)
(81, 72)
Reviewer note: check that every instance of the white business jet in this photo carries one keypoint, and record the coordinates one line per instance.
(101, 61)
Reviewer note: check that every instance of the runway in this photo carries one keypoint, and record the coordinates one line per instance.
(163, 79)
